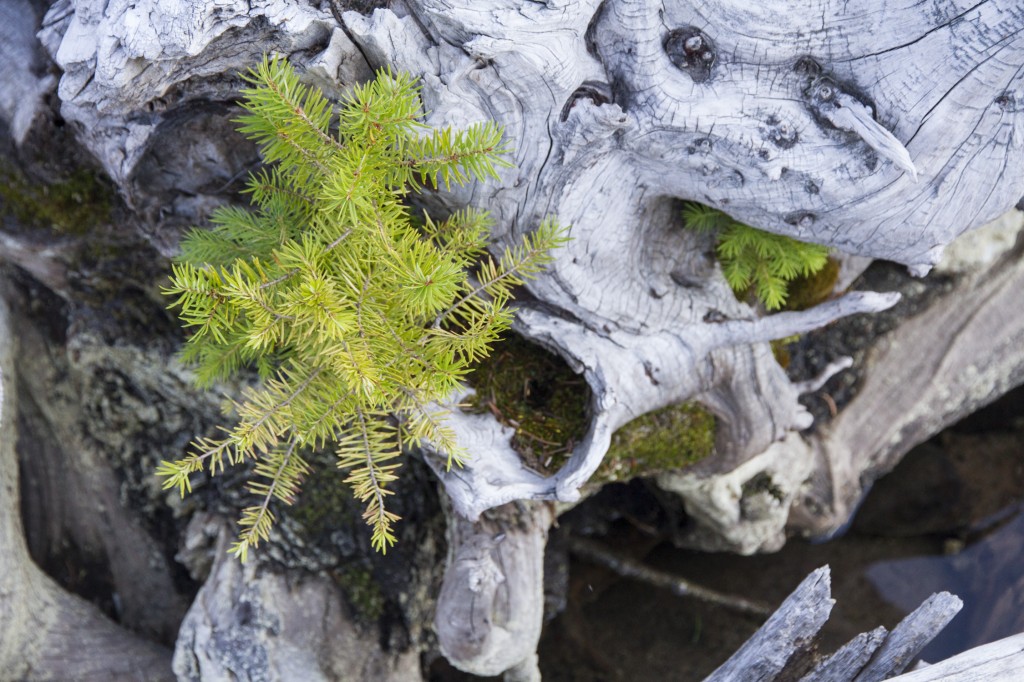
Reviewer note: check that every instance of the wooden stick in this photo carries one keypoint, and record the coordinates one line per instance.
(630, 568)
(791, 630)
(910, 636)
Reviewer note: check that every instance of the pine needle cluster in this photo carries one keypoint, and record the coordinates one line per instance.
(756, 261)
(357, 319)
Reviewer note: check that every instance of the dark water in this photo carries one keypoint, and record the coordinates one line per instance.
(988, 575)
(949, 517)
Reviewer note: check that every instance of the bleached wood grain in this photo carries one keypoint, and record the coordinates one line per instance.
(1001, 661)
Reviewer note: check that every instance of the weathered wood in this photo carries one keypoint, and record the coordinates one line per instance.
(790, 630)
(629, 110)
(1001, 661)
(849, 659)
(790, 633)
(500, 560)
(47, 633)
(279, 627)
(22, 87)
(925, 374)
(69, 423)
(911, 635)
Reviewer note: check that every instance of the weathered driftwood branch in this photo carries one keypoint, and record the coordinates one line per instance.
(500, 560)
(47, 633)
(786, 633)
(786, 641)
(853, 655)
(1001, 661)
(939, 366)
(908, 638)
(611, 362)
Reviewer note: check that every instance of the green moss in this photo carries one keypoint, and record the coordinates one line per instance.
(670, 438)
(537, 394)
(534, 392)
(362, 592)
(72, 206)
(780, 349)
(810, 290)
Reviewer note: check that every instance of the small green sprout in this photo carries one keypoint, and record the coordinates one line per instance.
(756, 261)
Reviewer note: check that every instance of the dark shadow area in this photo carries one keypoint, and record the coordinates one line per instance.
(949, 517)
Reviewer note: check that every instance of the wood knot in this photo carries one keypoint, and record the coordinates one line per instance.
(690, 50)
(808, 66)
(782, 134)
(802, 219)
(1010, 102)
(822, 91)
(596, 93)
(701, 145)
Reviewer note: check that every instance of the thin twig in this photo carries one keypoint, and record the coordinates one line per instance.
(630, 568)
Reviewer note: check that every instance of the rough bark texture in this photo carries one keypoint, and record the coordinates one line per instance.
(46, 633)
(278, 627)
(791, 628)
(884, 134)
(785, 645)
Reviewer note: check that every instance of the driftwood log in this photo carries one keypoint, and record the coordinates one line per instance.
(785, 646)
(884, 134)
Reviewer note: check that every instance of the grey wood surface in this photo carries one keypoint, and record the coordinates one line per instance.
(1000, 661)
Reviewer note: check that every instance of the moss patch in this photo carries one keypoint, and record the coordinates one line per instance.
(537, 394)
(72, 206)
(781, 350)
(362, 592)
(807, 292)
(670, 438)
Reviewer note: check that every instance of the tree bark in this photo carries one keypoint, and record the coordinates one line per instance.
(47, 633)
(880, 134)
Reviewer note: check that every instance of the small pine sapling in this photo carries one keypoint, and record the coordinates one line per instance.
(358, 322)
(754, 260)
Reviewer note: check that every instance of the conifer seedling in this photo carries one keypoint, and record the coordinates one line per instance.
(359, 322)
(754, 260)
